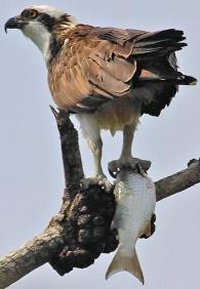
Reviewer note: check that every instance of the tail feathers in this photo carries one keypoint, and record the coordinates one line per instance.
(123, 263)
(176, 79)
(187, 80)
(174, 34)
(159, 43)
(181, 79)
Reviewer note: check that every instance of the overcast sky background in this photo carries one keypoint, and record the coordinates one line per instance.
(31, 174)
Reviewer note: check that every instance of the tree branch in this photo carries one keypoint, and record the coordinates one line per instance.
(179, 181)
(31, 256)
(77, 235)
(73, 169)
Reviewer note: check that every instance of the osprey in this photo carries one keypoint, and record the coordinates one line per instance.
(108, 76)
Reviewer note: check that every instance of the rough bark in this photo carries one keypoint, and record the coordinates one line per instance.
(77, 235)
(29, 257)
(179, 181)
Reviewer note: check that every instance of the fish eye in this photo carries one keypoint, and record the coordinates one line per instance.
(29, 13)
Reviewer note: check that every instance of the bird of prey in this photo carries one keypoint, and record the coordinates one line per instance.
(107, 76)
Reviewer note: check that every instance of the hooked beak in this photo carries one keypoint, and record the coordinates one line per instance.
(14, 23)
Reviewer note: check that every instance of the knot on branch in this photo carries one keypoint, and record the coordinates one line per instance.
(80, 232)
(88, 229)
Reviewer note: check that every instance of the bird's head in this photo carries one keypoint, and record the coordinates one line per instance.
(39, 23)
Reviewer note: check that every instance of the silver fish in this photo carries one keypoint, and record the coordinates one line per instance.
(136, 199)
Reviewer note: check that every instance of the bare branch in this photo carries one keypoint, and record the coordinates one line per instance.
(179, 181)
(29, 257)
(77, 235)
(73, 169)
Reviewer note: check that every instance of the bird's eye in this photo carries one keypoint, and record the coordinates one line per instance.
(29, 13)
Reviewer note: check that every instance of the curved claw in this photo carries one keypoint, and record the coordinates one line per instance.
(113, 168)
(113, 174)
(137, 165)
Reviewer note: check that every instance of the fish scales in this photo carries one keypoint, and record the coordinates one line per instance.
(136, 199)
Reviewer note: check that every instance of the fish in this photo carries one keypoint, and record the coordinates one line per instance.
(135, 196)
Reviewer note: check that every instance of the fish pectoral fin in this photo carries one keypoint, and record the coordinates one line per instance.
(125, 263)
(148, 230)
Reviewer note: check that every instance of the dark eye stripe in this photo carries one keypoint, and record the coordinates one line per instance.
(47, 20)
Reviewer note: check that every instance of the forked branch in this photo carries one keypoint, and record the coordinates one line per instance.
(80, 231)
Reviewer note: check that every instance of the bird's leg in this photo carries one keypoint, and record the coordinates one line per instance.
(96, 148)
(99, 178)
(128, 134)
(91, 133)
(126, 159)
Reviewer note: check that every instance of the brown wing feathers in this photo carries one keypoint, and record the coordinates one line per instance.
(141, 42)
(99, 64)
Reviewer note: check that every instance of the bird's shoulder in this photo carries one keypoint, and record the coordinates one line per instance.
(92, 63)
(105, 41)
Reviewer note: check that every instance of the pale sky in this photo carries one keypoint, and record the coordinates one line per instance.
(31, 172)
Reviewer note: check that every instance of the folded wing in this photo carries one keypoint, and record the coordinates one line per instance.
(97, 65)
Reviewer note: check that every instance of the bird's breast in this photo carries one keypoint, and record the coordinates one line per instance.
(114, 115)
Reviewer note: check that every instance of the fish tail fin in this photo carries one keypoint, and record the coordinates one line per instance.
(125, 263)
